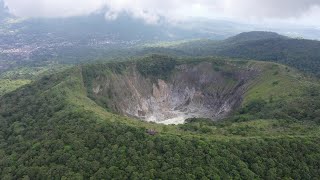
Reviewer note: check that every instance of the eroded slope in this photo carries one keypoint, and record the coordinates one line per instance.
(198, 89)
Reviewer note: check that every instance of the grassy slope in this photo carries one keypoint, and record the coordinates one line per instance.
(277, 82)
(8, 85)
(18, 77)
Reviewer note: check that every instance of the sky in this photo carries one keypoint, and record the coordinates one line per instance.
(299, 12)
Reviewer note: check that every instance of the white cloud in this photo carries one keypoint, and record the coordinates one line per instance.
(268, 8)
(299, 11)
(53, 8)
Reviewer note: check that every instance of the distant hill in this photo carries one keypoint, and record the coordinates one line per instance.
(266, 46)
(301, 54)
(254, 36)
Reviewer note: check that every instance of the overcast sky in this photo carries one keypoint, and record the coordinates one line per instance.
(301, 12)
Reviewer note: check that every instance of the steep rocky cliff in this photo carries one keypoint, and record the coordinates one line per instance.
(202, 89)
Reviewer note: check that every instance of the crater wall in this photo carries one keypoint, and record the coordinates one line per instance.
(200, 90)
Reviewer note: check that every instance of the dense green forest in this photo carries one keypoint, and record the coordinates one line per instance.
(301, 54)
(50, 129)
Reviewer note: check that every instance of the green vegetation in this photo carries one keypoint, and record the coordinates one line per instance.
(18, 77)
(265, 46)
(50, 129)
(156, 66)
(277, 82)
(254, 36)
(8, 85)
(255, 128)
(298, 53)
(31, 72)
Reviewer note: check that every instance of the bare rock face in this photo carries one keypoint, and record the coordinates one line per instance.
(192, 90)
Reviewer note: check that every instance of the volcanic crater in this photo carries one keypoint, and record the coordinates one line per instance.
(190, 90)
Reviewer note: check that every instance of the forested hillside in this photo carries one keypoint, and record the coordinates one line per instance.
(51, 129)
(298, 53)
(301, 54)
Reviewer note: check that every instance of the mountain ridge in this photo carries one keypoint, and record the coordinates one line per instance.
(254, 36)
(302, 54)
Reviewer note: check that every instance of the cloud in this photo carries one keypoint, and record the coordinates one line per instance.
(53, 8)
(268, 8)
(302, 11)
